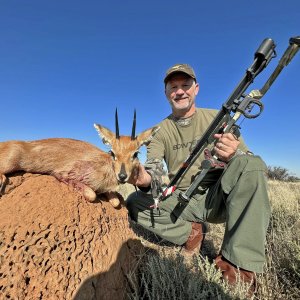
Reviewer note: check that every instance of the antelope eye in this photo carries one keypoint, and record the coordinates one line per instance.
(112, 154)
(135, 155)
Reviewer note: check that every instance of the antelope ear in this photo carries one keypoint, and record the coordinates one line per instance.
(106, 135)
(146, 136)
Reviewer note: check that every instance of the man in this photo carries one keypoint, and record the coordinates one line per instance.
(237, 197)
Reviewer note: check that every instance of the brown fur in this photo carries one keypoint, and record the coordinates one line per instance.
(78, 163)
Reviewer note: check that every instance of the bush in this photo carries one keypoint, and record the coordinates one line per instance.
(281, 174)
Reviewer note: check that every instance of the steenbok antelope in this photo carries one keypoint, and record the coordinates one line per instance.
(78, 163)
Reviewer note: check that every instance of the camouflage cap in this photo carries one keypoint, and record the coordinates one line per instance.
(180, 68)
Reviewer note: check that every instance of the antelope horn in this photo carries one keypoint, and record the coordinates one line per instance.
(117, 125)
(133, 127)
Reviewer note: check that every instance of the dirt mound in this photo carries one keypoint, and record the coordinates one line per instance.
(55, 245)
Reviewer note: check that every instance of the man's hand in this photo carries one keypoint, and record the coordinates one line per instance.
(140, 177)
(226, 146)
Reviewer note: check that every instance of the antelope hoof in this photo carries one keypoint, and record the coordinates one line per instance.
(113, 199)
(3, 181)
(115, 202)
(89, 194)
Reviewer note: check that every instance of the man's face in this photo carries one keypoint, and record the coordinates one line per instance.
(181, 91)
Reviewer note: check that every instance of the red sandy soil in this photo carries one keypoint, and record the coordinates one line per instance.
(56, 245)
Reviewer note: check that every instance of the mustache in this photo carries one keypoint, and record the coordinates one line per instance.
(180, 98)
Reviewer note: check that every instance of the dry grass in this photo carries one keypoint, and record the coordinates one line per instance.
(164, 274)
(282, 275)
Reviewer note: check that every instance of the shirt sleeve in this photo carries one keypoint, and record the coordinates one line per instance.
(154, 164)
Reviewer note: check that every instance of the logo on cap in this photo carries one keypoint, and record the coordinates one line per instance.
(184, 68)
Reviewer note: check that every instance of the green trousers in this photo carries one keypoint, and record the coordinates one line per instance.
(238, 197)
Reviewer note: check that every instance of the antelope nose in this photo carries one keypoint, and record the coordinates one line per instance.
(122, 177)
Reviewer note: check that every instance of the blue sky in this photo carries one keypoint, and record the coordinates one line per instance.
(65, 65)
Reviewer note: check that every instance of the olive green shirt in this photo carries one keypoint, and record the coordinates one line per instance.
(174, 142)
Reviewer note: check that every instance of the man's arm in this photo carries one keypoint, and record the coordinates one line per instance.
(226, 146)
(153, 169)
(140, 177)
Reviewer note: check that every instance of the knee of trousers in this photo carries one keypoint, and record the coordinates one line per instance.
(248, 163)
(131, 206)
(251, 165)
(138, 202)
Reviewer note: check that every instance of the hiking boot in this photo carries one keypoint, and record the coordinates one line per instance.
(232, 274)
(194, 242)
